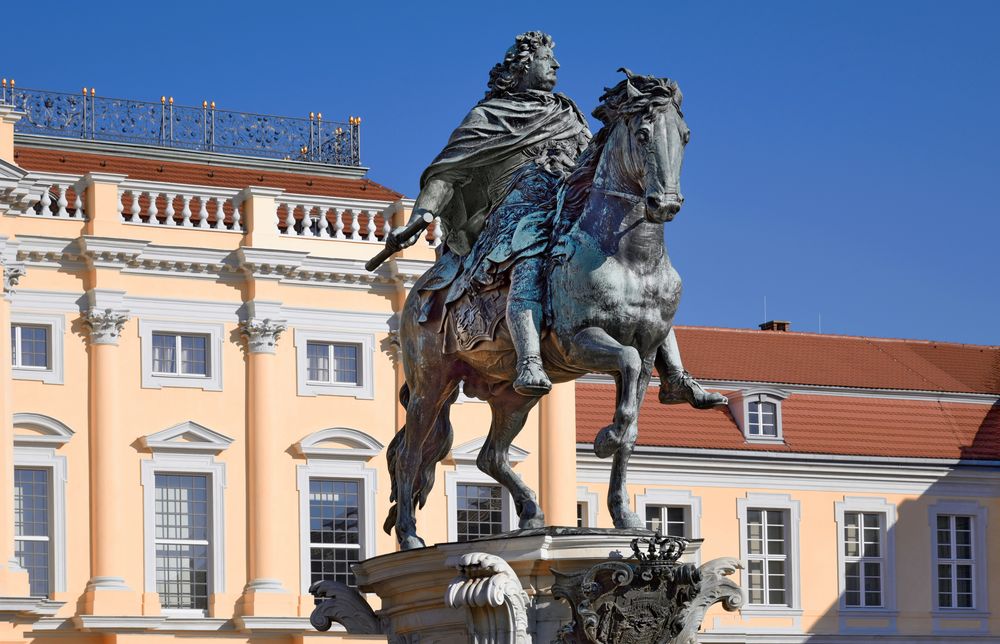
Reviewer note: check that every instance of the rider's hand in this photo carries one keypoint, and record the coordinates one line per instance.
(394, 240)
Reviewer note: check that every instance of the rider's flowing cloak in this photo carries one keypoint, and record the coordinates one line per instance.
(504, 160)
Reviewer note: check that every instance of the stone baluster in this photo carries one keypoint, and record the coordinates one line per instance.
(152, 211)
(46, 203)
(186, 211)
(355, 224)
(121, 205)
(237, 224)
(220, 213)
(386, 224)
(324, 230)
(370, 227)
(436, 236)
(62, 203)
(338, 225)
(135, 209)
(168, 212)
(202, 211)
(78, 205)
(312, 215)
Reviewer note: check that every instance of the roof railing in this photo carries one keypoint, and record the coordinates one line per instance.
(91, 117)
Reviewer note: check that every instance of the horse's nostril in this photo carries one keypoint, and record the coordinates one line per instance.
(653, 201)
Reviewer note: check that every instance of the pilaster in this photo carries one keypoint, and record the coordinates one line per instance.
(107, 592)
(8, 117)
(267, 591)
(557, 459)
(101, 203)
(260, 215)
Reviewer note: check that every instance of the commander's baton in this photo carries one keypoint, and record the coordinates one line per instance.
(413, 228)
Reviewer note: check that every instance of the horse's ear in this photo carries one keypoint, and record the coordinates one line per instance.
(631, 90)
(628, 73)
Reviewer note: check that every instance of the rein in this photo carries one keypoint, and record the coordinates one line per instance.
(628, 196)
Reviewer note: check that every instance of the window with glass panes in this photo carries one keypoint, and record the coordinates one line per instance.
(955, 561)
(334, 529)
(668, 520)
(581, 511)
(182, 540)
(29, 346)
(333, 362)
(33, 527)
(180, 354)
(762, 418)
(863, 563)
(767, 557)
(480, 511)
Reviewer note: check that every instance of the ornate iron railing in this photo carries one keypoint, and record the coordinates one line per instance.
(88, 116)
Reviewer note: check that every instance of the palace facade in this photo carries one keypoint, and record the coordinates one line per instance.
(201, 379)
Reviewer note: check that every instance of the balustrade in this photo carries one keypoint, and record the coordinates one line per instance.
(204, 208)
(300, 216)
(58, 198)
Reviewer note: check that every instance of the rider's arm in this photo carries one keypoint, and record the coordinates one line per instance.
(433, 198)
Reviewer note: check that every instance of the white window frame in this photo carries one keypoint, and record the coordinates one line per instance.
(739, 406)
(675, 498)
(343, 463)
(589, 501)
(793, 592)
(39, 450)
(179, 353)
(213, 354)
(184, 457)
(53, 373)
(364, 390)
(869, 505)
(980, 569)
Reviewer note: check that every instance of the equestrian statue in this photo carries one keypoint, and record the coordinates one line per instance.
(553, 266)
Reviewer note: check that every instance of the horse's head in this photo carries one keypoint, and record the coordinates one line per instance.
(646, 141)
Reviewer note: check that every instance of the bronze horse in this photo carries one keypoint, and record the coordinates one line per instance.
(612, 298)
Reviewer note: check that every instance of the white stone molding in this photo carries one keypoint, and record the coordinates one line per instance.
(341, 443)
(496, 606)
(56, 324)
(980, 583)
(262, 335)
(590, 502)
(468, 452)
(111, 252)
(45, 431)
(739, 404)
(215, 334)
(39, 449)
(793, 573)
(12, 274)
(336, 463)
(676, 498)
(167, 461)
(849, 615)
(267, 263)
(187, 437)
(365, 342)
(105, 324)
(50, 252)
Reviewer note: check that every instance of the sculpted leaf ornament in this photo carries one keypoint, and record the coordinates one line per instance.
(105, 326)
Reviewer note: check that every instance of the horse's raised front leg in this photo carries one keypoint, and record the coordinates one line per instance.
(619, 503)
(594, 350)
(510, 410)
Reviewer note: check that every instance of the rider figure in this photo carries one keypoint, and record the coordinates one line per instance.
(493, 187)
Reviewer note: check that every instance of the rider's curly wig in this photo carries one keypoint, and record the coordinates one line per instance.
(507, 74)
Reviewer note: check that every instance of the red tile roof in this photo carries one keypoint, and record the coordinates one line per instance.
(202, 174)
(836, 360)
(825, 424)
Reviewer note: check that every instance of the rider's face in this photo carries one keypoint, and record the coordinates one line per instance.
(542, 71)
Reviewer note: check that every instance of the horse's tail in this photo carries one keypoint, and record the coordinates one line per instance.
(436, 446)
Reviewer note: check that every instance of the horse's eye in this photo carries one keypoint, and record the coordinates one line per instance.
(642, 136)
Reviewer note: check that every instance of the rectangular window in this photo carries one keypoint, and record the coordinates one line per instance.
(581, 512)
(762, 418)
(33, 527)
(767, 557)
(30, 346)
(668, 520)
(863, 559)
(333, 362)
(182, 540)
(334, 529)
(480, 511)
(179, 354)
(955, 561)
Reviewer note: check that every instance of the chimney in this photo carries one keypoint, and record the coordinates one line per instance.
(776, 325)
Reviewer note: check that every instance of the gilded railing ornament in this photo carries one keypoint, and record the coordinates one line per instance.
(648, 599)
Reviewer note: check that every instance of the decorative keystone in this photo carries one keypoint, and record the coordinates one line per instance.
(262, 335)
(105, 326)
(496, 604)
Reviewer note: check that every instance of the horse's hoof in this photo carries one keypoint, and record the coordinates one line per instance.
(628, 520)
(411, 543)
(608, 442)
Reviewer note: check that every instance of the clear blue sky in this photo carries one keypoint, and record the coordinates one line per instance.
(845, 157)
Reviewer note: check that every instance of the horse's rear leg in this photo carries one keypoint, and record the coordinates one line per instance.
(594, 350)
(510, 410)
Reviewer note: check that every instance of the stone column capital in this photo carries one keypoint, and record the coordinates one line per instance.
(105, 324)
(262, 335)
(12, 273)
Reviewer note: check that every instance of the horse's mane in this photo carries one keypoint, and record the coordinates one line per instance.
(636, 94)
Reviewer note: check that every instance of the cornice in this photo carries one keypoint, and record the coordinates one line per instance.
(266, 263)
(345, 273)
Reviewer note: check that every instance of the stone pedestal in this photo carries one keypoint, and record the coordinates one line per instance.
(490, 590)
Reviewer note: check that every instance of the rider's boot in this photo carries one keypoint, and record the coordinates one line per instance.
(524, 321)
(676, 384)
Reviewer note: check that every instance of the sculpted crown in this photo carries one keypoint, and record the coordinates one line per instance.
(658, 549)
